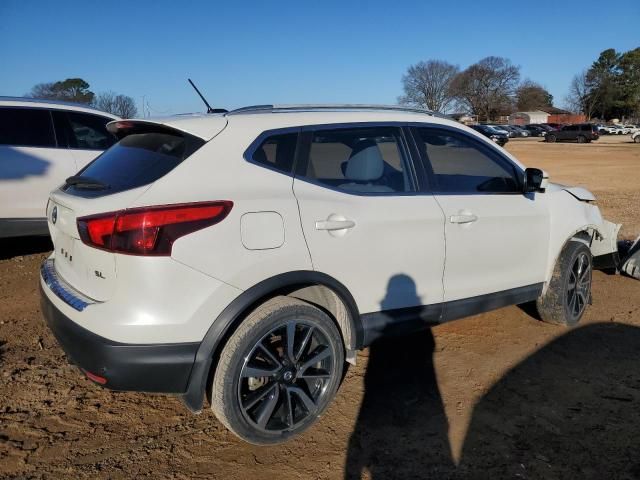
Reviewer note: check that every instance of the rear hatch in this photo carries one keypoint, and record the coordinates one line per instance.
(112, 182)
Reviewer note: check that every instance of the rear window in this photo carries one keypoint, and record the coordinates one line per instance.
(136, 160)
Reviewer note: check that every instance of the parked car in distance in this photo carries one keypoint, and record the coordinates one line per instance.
(554, 126)
(617, 130)
(511, 133)
(41, 144)
(520, 130)
(535, 130)
(498, 136)
(581, 133)
(253, 278)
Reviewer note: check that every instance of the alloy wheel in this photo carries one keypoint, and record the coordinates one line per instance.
(579, 285)
(285, 376)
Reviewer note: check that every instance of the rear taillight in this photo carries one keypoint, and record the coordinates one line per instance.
(149, 230)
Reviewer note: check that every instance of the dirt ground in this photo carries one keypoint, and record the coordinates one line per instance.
(499, 395)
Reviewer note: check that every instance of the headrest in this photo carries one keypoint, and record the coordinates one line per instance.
(365, 163)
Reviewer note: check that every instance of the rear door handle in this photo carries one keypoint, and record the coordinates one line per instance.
(333, 225)
(470, 218)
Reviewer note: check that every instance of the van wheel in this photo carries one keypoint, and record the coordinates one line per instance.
(581, 139)
(550, 138)
(278, 372)
(569, 291)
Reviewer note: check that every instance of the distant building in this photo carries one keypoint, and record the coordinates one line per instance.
(546, 115)
(464, 118)
(525, 118)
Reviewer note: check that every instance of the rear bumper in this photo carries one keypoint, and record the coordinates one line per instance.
(163, 368)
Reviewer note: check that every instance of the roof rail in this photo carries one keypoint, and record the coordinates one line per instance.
(330, 107)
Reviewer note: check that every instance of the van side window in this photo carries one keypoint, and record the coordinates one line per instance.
(26, 127)
(89, 132)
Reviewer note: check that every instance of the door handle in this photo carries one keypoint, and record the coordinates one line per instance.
(332, 225)
(469, 218)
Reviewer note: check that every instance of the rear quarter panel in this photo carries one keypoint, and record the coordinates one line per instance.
(218, 171)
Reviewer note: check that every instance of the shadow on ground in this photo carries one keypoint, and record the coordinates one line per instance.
(570, 410)
(16, 247)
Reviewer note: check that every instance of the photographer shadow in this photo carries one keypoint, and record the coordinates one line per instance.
(402, 429)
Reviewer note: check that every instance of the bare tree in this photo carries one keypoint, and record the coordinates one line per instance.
(487, 88)
(583, 95)
(121, 105)
(426, 85)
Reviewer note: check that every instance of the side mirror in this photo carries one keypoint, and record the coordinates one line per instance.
(535, 180)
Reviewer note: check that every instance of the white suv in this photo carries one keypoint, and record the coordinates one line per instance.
(42, 143)
(250, 254)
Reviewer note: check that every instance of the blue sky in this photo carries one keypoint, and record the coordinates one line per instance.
(242, 53)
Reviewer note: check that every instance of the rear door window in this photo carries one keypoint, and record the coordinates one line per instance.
(27, 127)
(138, 159)
(367, 160)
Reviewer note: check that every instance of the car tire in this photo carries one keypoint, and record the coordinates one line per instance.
(569, 291)
(581, 139)
(550, 138)
(266, 387)
(637, 139)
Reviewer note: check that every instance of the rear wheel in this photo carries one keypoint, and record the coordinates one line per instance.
(278, 372)
(581, 139)
(569, 291)
(637, 139)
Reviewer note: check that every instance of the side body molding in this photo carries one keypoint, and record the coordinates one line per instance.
(226, 322)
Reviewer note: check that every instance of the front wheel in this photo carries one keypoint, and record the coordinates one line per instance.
(278, 372)
(569, 291)
(637, 139)
(550, 138)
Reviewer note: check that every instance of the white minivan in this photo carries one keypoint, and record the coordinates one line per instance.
(41, 144)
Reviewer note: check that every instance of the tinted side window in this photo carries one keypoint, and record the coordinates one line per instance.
(89, 131)
(461, 164)
(571, 128)
(360, 160)
(277, 152)
(29, 127)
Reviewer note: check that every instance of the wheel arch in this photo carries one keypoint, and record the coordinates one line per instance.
(587, 234)
(314, 287)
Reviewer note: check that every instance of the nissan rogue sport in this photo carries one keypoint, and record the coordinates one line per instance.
(247, 256)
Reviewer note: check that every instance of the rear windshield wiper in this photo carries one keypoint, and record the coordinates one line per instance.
(87, 183)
